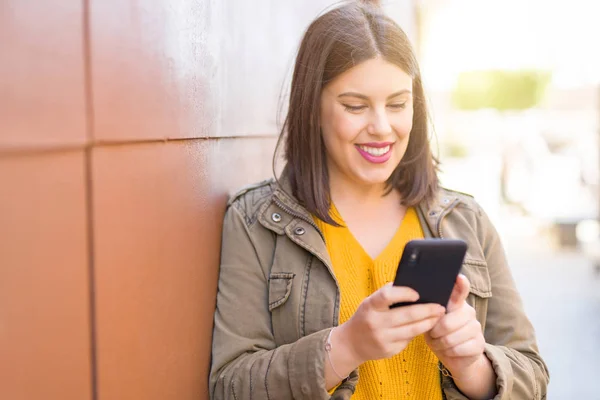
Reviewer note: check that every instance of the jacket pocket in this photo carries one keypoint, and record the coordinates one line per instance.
(481, 288)
(477, 273)
(280, 287)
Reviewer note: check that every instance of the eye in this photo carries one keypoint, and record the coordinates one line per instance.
(397, 106)
(350, 108)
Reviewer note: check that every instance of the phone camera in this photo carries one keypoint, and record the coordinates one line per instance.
(413, 258)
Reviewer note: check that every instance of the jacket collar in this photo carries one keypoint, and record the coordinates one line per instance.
(284, 215)
(431, 213)
(434, 211)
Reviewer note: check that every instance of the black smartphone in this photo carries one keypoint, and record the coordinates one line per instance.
(430, 266)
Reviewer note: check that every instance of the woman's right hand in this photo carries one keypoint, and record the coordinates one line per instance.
(375, 331)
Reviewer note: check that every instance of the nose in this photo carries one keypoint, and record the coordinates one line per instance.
(379, 124)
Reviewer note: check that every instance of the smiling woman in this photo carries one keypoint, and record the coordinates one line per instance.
(303, 305)
(367, 116)
(367, 68)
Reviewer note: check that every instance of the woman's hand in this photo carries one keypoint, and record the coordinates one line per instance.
(375, 331)
(457, 338)
(458, 342)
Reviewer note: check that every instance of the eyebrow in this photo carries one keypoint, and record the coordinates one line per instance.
(362, 96)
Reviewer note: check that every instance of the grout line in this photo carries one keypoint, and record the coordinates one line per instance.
(89, 108)
(87, 67)
(50, 149)
(91, 271)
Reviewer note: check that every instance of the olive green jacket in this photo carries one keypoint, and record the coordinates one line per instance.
(278, 299)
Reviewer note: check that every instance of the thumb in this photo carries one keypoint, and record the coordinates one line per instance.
(459, 293)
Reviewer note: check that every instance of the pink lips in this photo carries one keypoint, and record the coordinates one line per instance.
(376, 159)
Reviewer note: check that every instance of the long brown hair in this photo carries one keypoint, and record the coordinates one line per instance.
(333, 43)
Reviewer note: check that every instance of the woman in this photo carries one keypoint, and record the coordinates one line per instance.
(304, 294)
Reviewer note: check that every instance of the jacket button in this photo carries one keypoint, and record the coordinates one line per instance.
(432, 214)
(276, 217)
(299, 231)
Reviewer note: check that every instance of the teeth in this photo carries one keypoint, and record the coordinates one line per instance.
(375, 151)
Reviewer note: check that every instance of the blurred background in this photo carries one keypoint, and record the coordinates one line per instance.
(515, 88)
(125, 124)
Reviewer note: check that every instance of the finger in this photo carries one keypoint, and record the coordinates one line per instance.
(454, 321)
(383, 298)
(410, 331)
(418, 312)
(459, 292)
(465, 333)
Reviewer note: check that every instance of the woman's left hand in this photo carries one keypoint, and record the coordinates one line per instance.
(457, 338)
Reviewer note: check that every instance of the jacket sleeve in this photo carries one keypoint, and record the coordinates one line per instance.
(246, 363)
(510, 336)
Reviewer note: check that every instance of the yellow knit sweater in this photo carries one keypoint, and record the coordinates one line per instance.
(412, 374)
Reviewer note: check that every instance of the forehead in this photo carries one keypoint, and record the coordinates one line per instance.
(372, 77)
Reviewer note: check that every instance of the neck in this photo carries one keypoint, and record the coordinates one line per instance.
(347, 193)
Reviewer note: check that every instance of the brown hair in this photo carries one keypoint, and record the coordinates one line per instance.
(333, 43)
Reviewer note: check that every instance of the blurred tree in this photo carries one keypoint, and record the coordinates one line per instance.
(503, 91)
(499, 89)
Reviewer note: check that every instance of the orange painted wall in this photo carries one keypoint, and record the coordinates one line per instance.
(124, 124)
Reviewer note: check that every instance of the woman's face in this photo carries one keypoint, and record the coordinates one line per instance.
(366, 119)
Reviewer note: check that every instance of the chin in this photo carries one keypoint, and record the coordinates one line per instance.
(379, 178)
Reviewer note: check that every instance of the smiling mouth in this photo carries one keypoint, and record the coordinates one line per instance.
(375, 151)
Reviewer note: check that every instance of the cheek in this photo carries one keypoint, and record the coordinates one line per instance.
(403, 125)
(343, 126)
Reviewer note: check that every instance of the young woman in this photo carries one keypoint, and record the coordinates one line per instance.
(304, 294)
